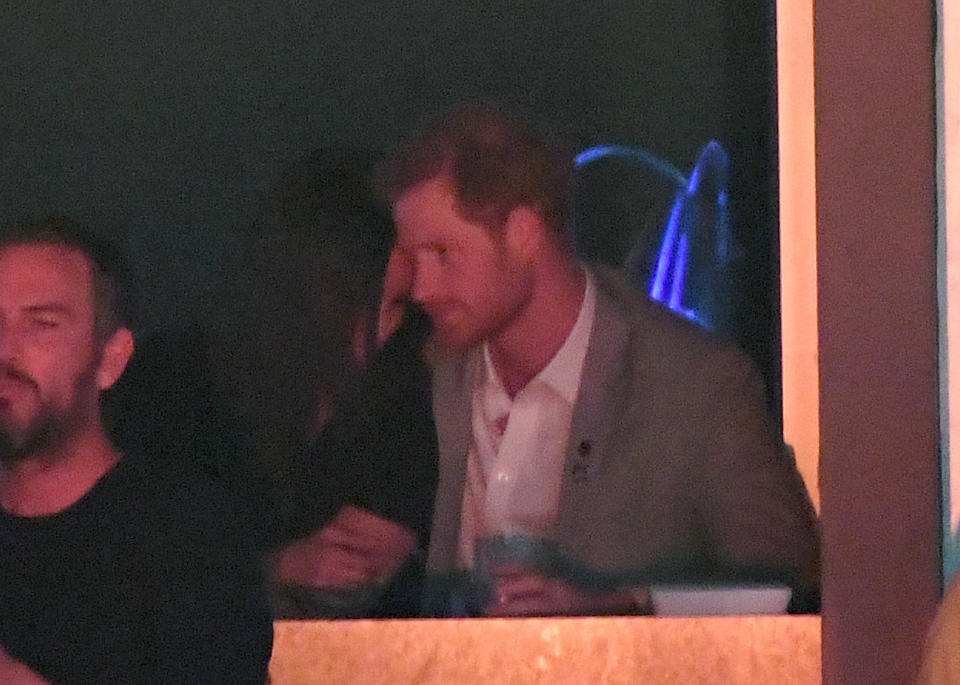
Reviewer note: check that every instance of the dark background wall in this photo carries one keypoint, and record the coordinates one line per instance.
(161, 123)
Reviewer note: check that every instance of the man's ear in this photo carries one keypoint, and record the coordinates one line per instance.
(116, 353)
(524, 232)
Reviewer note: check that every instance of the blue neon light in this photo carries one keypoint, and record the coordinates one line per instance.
(634, 154)
(696, 237)
(659, 281)
(679, 274)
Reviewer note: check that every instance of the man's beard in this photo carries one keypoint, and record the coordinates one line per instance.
(50, 427)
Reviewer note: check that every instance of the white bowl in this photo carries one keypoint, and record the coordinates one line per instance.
(719, 600)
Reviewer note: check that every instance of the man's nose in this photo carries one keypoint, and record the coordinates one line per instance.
(424, 286)
(9, 344)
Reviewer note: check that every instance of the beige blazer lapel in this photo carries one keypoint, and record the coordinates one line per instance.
(595, 414)
(452, 393)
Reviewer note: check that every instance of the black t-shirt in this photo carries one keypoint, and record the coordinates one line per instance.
(148, 578)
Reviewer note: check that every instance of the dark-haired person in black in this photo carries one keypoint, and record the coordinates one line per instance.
(322, 365)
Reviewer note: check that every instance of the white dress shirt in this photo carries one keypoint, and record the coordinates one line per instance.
(515, 464)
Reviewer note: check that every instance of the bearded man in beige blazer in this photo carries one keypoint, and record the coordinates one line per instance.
(591, 442)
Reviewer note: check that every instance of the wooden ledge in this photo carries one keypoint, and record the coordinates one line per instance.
(723, 650)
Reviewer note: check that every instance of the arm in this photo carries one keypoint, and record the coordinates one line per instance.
(753, 503)
(205, 615)
(355, 549)
(13, 671)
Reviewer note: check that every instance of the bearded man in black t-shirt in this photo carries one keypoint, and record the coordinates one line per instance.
(111, 569)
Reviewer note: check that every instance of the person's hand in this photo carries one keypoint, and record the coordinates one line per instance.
(357, 548)
(520, 592)
(16, 673)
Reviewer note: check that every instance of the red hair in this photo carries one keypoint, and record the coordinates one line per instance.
(494, 162)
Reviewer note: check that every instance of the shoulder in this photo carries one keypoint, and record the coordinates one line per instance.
(179, 501)
(659, 338)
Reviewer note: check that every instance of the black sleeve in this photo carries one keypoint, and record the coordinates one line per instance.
(380, 450)
(391, 439)
(211, 622)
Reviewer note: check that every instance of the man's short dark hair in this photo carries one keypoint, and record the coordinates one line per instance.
(495, 162)
(109, 273)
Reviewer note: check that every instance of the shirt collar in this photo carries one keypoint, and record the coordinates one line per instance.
(562, 373)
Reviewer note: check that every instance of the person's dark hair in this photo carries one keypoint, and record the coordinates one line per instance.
(110, 276)
(315, 258)
(494, 161)
(325, 202)
(309, 270)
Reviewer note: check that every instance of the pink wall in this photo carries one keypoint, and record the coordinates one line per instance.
(875, 143)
